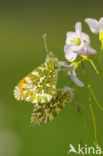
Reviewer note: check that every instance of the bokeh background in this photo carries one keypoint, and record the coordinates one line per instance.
(22, 24)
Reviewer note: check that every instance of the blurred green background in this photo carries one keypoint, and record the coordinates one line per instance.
(22, 24)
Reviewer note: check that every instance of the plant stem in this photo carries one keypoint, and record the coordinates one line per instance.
(90, 88)
(94, 97)
(91, 106)
(94, 124)
(93, 65)
(99, 64)
(94, 121)
(101, 52)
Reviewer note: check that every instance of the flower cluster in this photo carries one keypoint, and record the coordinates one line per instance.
(77, 51)
(78, 44)
(96, 27)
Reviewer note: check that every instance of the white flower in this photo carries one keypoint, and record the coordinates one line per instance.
(77, 43)
(77, 37)
(95, 26)
(85, 50)
(71, 72)
(74, 77)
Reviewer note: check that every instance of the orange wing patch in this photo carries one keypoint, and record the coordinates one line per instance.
(21, 85)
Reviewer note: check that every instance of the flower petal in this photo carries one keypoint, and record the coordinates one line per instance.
(89, 50)
(86, 50)
(69, 54)
(70, 36)
(77, 48)
(72, 74)
(101, 24)
(78, 28)
(75, 79)
(85, 37)
(93, 24)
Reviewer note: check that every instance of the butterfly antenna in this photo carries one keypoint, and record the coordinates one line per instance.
(45, 42)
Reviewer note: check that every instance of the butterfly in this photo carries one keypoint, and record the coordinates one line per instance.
(39, 88)
(39, 85)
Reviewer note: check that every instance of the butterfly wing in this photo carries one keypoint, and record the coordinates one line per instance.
(47, 111)
(38, 86)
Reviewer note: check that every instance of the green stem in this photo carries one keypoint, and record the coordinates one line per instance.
(94, 122)
(86, 126)
(94, 97)
(93, 65)
(91, 106)
(90, 88)
(101, 52)
(99, 64)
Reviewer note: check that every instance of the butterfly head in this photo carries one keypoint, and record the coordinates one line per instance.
(52, 59)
